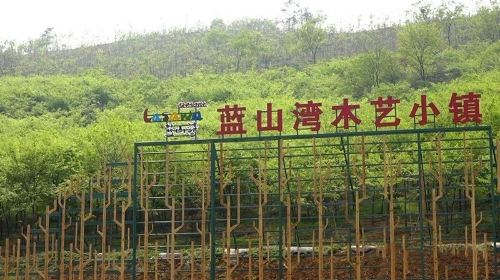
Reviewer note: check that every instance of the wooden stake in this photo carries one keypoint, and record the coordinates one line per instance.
(470, 193)
(260, 181)
(157, 253)
(5, 259)
(435, 235)
(466, 242)
(225, 175)
(121, 223)
(192, 261)
(18, 257)
(250, 272)
(405, 259)
(95, 265)
(84, 217)
(357, 222)
(27, 240)
(106, 202)
(61, 201)
(498, 165)
(485, 257)
(203, 183)
(230, 228)
(174, 231)
(384, 247)
(438, 174)
(319, 181)
(391, 172)
(331, 258)
(290, 226)
(46, 232)
(145, 190)
(70, 269)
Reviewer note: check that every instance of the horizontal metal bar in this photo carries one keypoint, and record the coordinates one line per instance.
(317, 136)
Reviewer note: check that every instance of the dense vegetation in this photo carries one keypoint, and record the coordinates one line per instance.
(297, 39)
(67, 112)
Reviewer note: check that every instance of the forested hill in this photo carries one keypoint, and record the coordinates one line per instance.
(66, 113)
(297, 39)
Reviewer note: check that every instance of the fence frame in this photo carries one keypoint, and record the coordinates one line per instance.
(418, 132)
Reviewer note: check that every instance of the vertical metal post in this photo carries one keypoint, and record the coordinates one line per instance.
(134, 215)
(420, 204)
(493, 202)
(213, 218)
(280, 190)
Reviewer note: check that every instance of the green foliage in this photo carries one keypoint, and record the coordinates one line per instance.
(56, 126)
(34, 165)
(487, 22)
(311, 37)
(420, 43)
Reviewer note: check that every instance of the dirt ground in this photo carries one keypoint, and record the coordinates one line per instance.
(374, 267)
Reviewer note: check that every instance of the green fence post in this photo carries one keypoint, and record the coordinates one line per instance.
(421, 179)
(494, 220)
(134, 216)
(213, 218)
(280, 190)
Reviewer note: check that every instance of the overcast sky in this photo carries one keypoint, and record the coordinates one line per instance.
(93, 21)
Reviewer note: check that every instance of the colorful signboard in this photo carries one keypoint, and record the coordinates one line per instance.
(178, 123)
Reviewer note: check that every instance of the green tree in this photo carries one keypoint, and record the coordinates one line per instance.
(101, 98)
(447, 14)
(419, 44)
(245, 43)
(217, 40)
(35, 165)
(488, 22)
(311, 36)
(376, 62)
(8, 58)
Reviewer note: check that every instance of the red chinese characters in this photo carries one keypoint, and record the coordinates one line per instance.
(231, 120)
(268, 125)
(383, 107)
(307, 115)
(465, 108)
(345, 114)
(423, 110)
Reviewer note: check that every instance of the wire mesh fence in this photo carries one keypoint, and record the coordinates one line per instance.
(416, 204)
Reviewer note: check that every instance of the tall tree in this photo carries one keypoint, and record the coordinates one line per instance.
(244, 43)
(419, 43)
(311, 36)
(217, 40)
(421, 11)
(488, 22)
(447, 14)
(8, 58)
(294, 15)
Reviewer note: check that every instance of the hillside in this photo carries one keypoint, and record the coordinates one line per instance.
(297, 39)
(67, 113)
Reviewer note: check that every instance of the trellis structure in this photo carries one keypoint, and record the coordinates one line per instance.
(395, 204)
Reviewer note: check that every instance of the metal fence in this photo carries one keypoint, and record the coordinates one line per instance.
(398, 204)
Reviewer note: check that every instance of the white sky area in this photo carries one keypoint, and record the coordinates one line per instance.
(79, 22)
